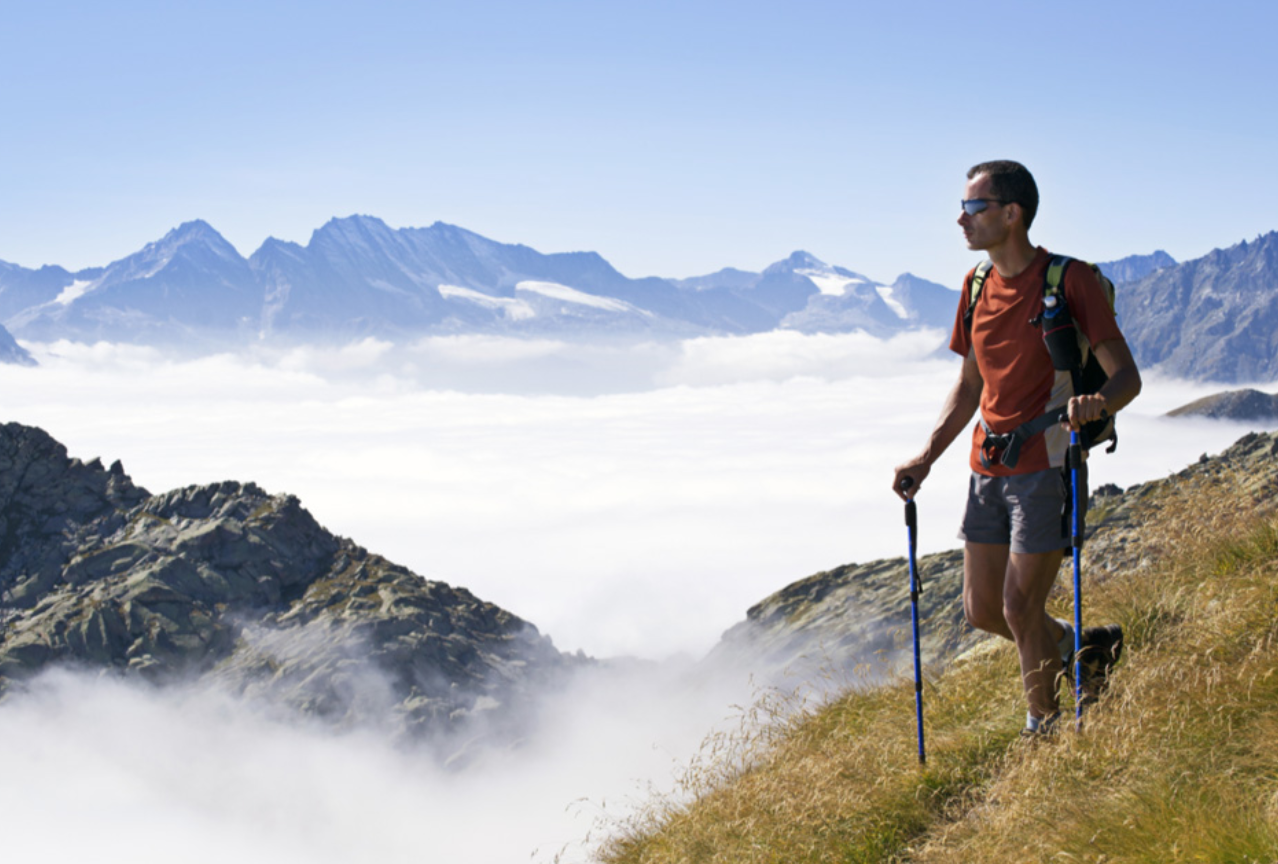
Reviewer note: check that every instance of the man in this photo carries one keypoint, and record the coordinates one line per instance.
(1013, 529)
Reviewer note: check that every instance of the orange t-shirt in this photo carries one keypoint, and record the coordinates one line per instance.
(1020, 383)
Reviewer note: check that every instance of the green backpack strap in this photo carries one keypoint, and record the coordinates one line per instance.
(1054, 283)
(978, 281)
(974, 290)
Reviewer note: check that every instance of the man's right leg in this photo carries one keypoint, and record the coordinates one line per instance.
(984, 569)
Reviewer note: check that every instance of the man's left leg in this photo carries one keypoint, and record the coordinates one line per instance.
(1029, 579)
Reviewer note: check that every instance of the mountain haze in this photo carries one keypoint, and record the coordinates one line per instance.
(12, 352)
(357, 277)
(1210, 318)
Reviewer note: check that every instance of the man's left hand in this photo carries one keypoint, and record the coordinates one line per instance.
(1085, 409)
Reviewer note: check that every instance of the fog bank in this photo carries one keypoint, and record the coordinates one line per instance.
(640, 523)
(640, 515)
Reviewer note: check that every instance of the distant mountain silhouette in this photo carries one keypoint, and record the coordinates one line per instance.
(359, 277)
(1213, 318)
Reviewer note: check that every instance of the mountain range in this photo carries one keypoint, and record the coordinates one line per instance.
(1212, 318)
(358, 277)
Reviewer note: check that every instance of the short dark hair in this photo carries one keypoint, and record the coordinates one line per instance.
(1012, 183)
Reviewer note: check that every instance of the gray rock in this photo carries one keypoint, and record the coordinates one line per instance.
(244, 590)
(1232, 405)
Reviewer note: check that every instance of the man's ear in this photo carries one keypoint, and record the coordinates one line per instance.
(1013, 212)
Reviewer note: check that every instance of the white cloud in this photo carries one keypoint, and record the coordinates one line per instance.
(142, 775)
(784, 354)
(766, 459)
(641, 522)
(355, 356)
(485, 349)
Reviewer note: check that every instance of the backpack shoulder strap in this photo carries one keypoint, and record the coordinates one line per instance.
(978, 281)
(1054, 278)
(1054, 281)
(974, 290)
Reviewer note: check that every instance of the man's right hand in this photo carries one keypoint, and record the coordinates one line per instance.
(916, 471)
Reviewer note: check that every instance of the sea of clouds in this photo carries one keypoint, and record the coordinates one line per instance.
(628, 500)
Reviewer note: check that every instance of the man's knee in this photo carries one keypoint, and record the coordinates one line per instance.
(983, 616)
(984, 566)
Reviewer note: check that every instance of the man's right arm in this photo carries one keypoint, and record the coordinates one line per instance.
(960, 406)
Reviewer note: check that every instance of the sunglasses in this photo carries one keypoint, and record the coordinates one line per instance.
(972, 206)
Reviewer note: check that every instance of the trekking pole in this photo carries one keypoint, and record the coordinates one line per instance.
(1075, 463)
(916, 586)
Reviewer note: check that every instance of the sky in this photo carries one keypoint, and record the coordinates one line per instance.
(695, 478)
(672, 138)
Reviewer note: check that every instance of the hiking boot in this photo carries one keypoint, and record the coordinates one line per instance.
(1102, 648)
(1046, 729)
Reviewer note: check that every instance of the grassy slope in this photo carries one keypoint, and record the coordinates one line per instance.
(1178, 763)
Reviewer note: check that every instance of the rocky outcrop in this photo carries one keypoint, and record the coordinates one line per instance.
(229, 585)
(1232, 405)
(853, 622)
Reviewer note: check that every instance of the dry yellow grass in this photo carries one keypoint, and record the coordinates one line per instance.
(1178, 763)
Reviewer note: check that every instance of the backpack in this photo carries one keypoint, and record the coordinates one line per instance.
(1070, 352)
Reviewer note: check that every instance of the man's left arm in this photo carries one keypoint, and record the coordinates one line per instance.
(1122, 387)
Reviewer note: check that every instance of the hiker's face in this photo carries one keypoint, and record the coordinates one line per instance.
(988, 228)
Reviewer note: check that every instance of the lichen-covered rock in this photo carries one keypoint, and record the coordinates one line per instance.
(850, 623)
(233, 586)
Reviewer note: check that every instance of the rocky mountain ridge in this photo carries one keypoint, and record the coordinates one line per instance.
(230, 586)
(1212, 318)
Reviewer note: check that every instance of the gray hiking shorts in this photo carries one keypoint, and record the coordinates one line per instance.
(1030, 512)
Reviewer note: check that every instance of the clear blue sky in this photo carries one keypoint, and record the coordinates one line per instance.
(674, 138)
